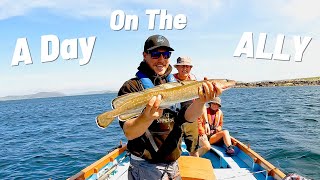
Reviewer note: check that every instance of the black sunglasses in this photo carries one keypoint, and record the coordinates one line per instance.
(156, 54)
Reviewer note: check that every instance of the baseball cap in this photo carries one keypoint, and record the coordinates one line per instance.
(156, 41)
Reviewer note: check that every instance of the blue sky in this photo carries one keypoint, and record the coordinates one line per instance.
(213, 31)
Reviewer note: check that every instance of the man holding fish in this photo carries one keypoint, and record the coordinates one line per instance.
(152, 107)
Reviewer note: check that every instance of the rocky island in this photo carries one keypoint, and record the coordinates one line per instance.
(311, 81)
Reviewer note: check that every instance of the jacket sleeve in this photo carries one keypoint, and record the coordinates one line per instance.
(129, 86)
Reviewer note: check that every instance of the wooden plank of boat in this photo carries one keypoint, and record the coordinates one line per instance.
(196, 168)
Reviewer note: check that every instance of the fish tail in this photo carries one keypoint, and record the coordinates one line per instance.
(104, 120)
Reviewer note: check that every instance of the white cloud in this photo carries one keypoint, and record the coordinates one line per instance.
(205, 4)
(80, 8)
(304, 11)
(295, 10)
(97, 8)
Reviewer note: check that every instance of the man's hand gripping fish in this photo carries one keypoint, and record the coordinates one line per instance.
(131, 105)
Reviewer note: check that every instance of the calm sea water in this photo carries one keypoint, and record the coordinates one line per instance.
(57, 137)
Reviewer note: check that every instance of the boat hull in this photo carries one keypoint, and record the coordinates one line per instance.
(245, 164)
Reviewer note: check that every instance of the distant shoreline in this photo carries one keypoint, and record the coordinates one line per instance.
(50, 95)
(276, 86)
(311, 81)
(314, 81)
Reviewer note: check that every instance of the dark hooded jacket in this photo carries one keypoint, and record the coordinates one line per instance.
(166, 131)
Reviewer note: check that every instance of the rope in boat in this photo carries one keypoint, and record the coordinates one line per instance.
(244, 174)
(111, 169)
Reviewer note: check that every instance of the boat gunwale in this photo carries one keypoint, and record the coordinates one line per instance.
(271, 169)
(98, 165)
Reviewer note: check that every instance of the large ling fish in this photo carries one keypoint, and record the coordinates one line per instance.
(130, 105)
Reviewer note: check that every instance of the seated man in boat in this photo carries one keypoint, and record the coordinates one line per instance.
(215, 117)
(154, 136)
(189, 130)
